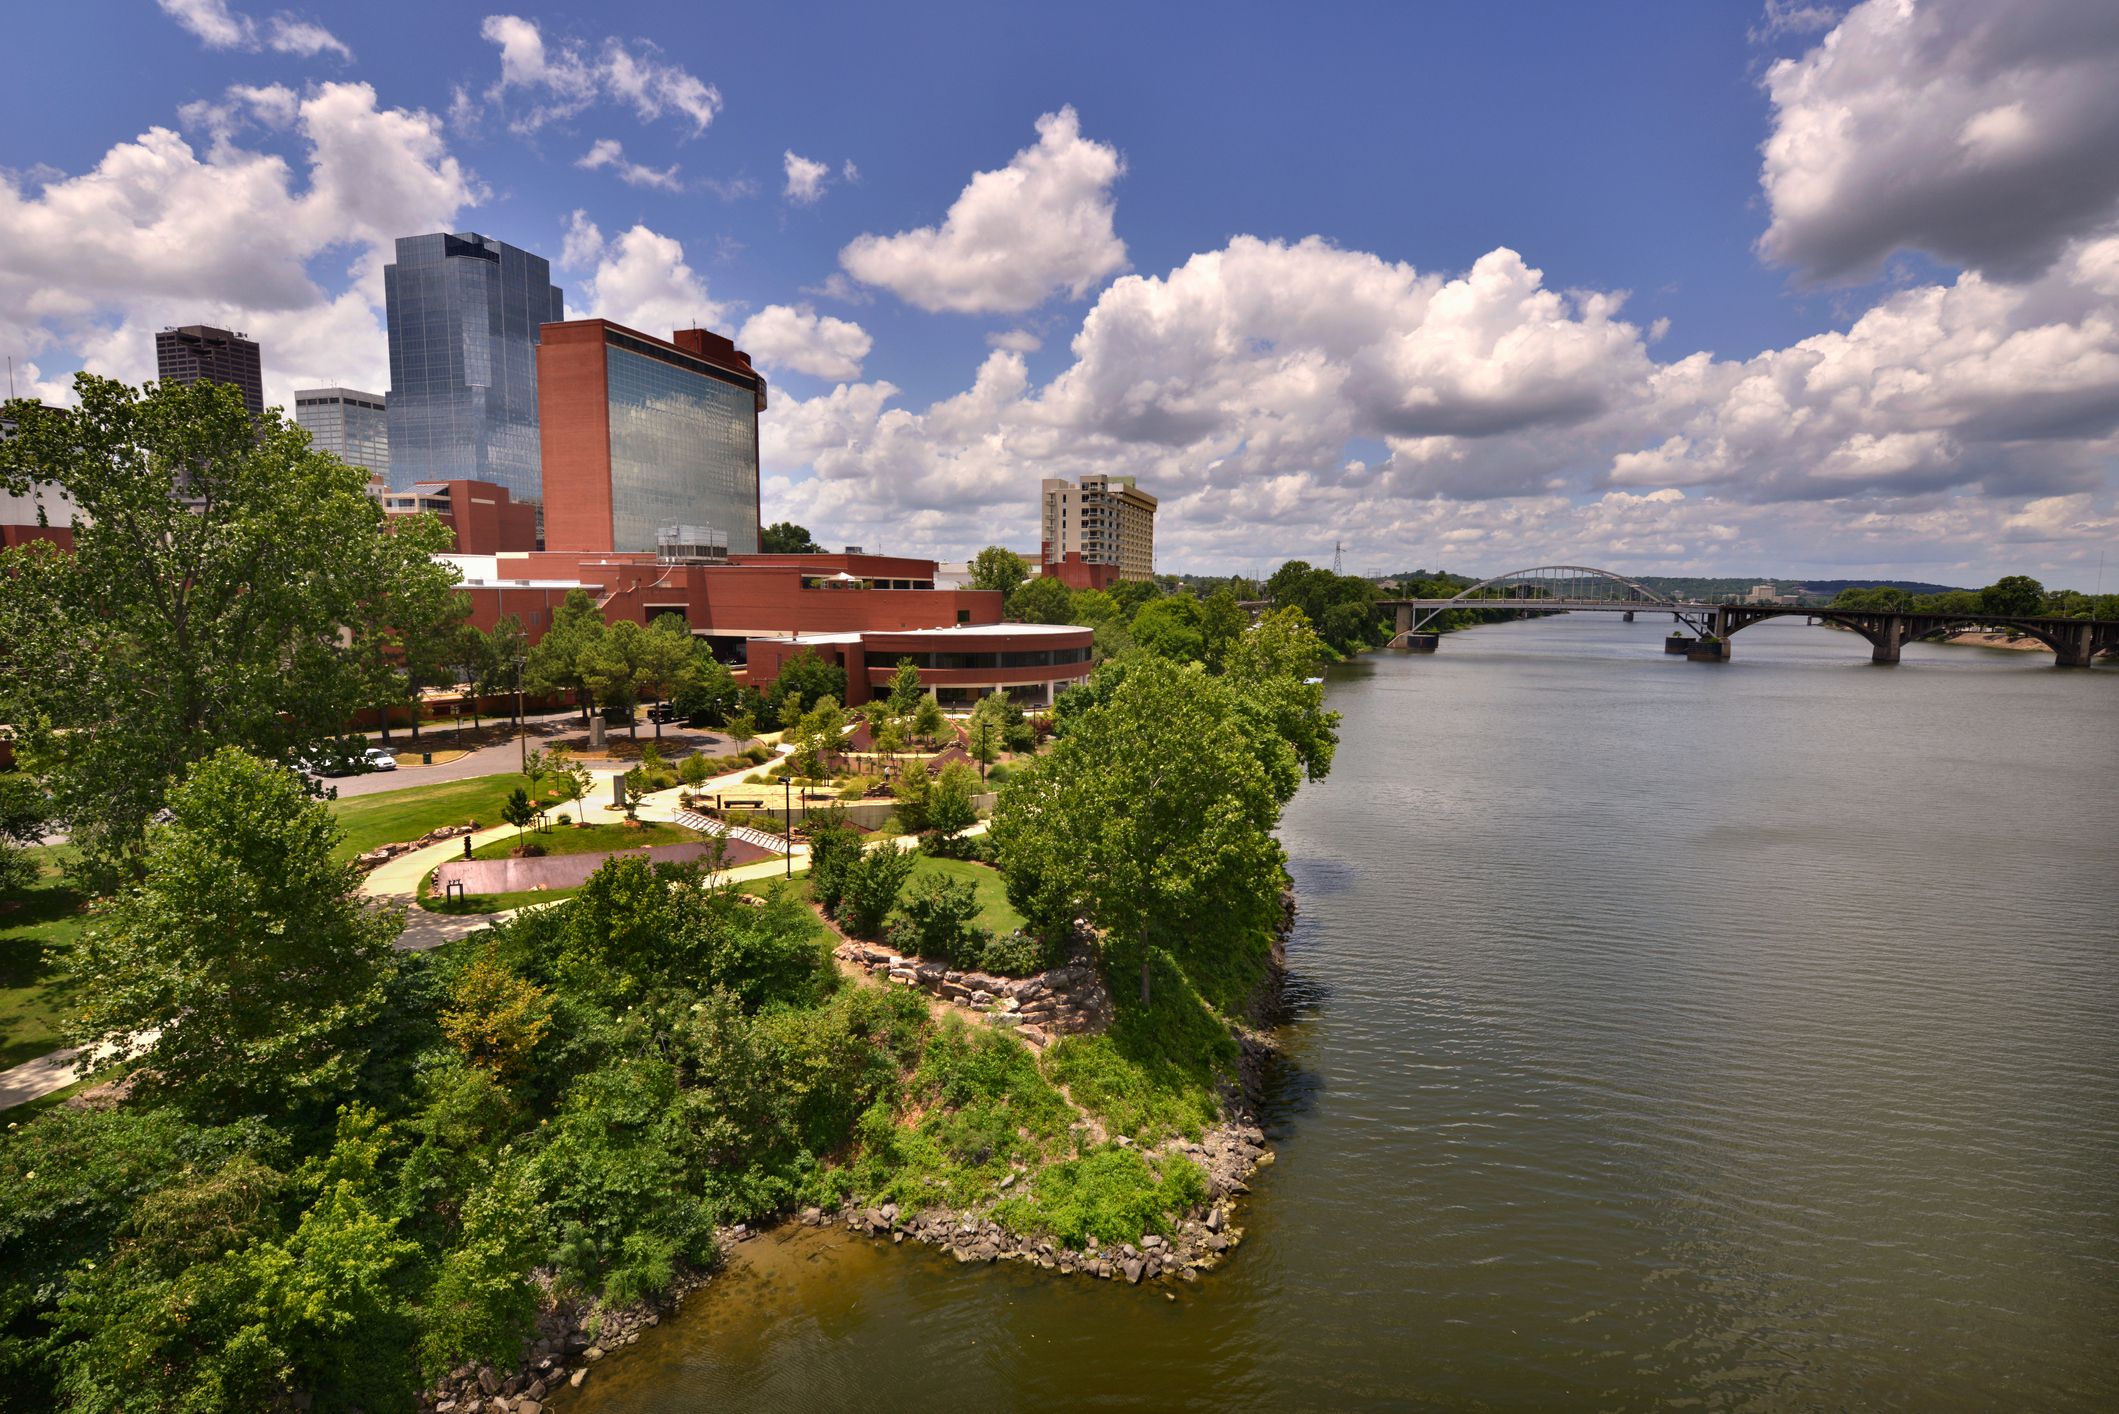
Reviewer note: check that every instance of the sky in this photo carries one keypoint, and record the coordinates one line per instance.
(1670, 288)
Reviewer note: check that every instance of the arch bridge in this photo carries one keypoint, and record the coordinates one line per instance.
(1567, 589)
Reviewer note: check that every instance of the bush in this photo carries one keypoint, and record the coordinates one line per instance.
(834, 847)
(1015, 954)
(1111, 1195)
(693, 769)
(561, 818)
(855, 787)
(869, 889)
(757, 754)
(937, 917)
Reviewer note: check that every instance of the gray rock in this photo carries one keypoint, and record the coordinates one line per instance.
(1151, 1241)
(592, 1354)
(1132, 1267)
(488, 1382)
(1214, 1220)
(579, 1376)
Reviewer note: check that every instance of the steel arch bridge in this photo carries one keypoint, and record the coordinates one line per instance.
(1562, 589)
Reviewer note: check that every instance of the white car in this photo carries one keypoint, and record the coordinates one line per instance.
(378, 759)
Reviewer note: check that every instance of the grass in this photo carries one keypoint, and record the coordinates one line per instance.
(489, 903)
(38, 930)
(393, 815)
(996, 915)
(592, 839)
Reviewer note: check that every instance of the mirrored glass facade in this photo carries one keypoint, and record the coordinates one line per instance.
(351, 425)
(464, 312)
(684, 448)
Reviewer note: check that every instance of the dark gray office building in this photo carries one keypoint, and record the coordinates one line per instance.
(192, 353)
(464, 311)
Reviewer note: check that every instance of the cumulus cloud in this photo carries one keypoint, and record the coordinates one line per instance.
(1015, 341)
(541, 82)
(1986, 136)
(639, 279)
(609, 152)
(805, 179)
(1014, 237)
(216, 26)
(156, 233)
(797, 338)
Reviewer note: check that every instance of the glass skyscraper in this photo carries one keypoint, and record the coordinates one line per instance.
(464, 312)
(350, 424)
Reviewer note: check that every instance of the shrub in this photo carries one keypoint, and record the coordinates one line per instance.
(1111, 1195)
(693, 769)
(856, 787)
(869, 889)
(937, 917)
(1014, 954)
(562, 818)
(757, 754)
(834, 846)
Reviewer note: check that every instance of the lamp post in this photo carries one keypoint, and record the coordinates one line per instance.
(787, 819)
(522, 725)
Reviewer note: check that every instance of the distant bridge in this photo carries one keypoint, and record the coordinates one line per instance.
(1574, 589)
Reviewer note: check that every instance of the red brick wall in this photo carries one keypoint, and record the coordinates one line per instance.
(574, 432)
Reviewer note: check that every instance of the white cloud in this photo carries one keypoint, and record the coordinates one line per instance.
(609, 152)
(805, 179)
(561, 80)
(639, 279)
(91, 264)
(796, 337)
(1014, 237)
(1984, 135)
(218, 27)
(1015, 341)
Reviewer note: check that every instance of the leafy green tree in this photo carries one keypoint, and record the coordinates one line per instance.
(1270, 667)
(983, 740)
(503, 661)
(907, 692)
(1222, 622)
(870, 888)
(1041, 601)
(1153, 817)
(25, 811)
(928, 722)
(2015, 596)
(228, 586)
(802, 680)
(913, 790)
(562, 659)
(1170, 628)
(787, 538)
(247, 947)
(1129, 595)
(998, 569)
(482, 1303)
(742, 728)
(666, 656)
(706, 691)
(573, 780)
(619, 666)
(495, 1017)
(833, 847)
(518, 810)
(816, 736)
(937, 917)
(952, 806)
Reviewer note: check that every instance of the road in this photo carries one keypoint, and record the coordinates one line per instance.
(507, 756)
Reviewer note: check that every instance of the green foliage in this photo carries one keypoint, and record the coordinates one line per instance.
(927, 719)
(906, 693)
(834, 845)
(803, 679)
(247, 946)
(787, 538)
(1110, 1194)
(818, 733)
(1269, 667)
(706, 692)
(1342, 607)
(482, 1303)
(998, 569)
(256, 612)
(518, 810)
(1041, 601)
(2013, 595)
(565, 657)
(1171, 628)
(951, 804)
(870, 889)
(937, 917)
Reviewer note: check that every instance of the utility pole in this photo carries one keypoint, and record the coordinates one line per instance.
(787, 819)
(522, 724)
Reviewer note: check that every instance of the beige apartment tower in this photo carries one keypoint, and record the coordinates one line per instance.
(1106, 520)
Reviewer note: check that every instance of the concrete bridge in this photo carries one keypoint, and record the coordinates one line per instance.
(1560, 589)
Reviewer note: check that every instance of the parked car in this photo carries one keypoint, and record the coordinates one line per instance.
(663, 712)
(335, 758)
(377, 759)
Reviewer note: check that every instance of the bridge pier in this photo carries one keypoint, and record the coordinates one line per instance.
(1419, 642)
(2075, 650)
(1708, 650)
(1627, 617)
(1678, 643)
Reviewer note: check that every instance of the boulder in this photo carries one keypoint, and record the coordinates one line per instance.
(1132, 1267)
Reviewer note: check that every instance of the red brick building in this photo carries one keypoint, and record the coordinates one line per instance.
(484, 517)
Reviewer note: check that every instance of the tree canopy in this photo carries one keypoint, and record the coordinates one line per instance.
(229, 585)
(998, 569)
(787, 538)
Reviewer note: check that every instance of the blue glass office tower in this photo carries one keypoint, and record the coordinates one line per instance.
(464, 312)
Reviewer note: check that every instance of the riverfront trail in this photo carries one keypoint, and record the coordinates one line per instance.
(1728, 1036)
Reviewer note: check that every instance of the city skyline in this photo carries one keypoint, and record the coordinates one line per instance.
(1517, 288)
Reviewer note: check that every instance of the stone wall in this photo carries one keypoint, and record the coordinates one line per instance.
(1063, 1001)
(385, 853)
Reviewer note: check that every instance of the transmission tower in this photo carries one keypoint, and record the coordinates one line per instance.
(1338, 557)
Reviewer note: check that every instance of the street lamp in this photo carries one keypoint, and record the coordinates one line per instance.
(787, 819)
(522, 725)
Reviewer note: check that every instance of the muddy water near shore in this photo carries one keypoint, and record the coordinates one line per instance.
(1737, 1036)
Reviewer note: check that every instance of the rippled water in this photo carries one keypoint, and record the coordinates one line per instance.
(1738, 1036)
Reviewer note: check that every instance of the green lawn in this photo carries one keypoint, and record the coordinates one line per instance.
(393, 815)
(488, 903)
(592, 839)
(38, 929)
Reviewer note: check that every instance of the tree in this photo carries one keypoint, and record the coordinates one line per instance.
(518, 810)
(907, 692)
(1041, 601)
(983, 741)
(1222, 622)
(2013, 596)
(502, 662)
(1153, 817)
(1270, 667)
(573, 780)
(562, 658)
(927, 720)
(938, 918)
(741, 729)
(998, 569)
(816, 735)
(495, 1017)
(870, 888)
(787, 538)
(706, 691)
(912, 790)
(24, 812)
(952, 806)
(833, 847)
(247, 945)
(228, 586)
(1170, 628)
(803, 679)
(620, 664)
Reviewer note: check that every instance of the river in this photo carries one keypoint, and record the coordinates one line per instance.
(1728, 1036)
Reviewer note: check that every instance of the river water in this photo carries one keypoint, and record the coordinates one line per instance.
(1726, 1036)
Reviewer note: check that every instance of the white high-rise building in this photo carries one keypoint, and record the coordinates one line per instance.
(1107, 520)
(352, 425)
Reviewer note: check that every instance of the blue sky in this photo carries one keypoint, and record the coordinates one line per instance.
(1462, 284)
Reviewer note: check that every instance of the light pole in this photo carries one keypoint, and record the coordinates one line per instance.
(522, 725)
(787, 808)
